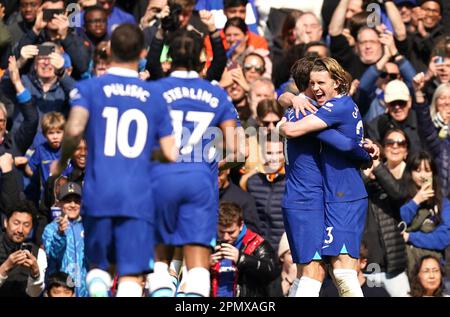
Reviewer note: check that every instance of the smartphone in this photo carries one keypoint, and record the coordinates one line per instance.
(427, 180)
(26, 246)
(45, 50)
(50, 13)
(233, 65)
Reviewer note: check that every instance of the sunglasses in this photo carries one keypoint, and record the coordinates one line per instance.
(391, 76)
(248, 67)
(267, 123)
(400, 103)
(391, 143)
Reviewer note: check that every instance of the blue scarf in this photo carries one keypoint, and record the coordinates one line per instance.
(227, 270)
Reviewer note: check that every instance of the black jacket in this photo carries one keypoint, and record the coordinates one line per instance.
(382, 234)
(236, 195)
(268, 197)
(16, 283)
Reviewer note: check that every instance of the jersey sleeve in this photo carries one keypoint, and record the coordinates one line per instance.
(80, 96)
(340, 142)
(35, 160)
(227, 111)
(331, 113)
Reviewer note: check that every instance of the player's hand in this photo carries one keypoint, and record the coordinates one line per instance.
(425, 192)
(301, 104)
(229, 252)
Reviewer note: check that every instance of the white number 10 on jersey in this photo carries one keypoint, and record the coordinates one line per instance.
(117, 130)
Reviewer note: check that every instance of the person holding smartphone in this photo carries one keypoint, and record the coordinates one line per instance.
(243, 263)
(23, 265)
(427, 213)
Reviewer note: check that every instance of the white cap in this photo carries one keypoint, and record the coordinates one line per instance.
(396, 90)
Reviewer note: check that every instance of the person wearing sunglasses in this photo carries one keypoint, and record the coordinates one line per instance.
(383, 183)
(398, 115)
(254, 67)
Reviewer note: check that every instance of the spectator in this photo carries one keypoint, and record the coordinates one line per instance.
(427, 213)
(48, 83)
(405, 7)
(57, 31)
(288, 267)
(95, 28)
(63, 239)
(5, 35)
(368, 289)
(53, 131)
(229, 192)
(308, 28)
(23, 22)
(433, 127)
(116, 16)
(399, 115)
(368, 46)
(254, 67)
(386, 195)
(154, 7)
(244, 263)
(438, 69)
(23, 264)
(267, 187)
(17, 142)
(428, 278)
(429, 30)
(370, 98)
(225, 9)
(260, 89)
(60, 284)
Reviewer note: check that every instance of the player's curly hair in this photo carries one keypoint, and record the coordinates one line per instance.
(336, 72)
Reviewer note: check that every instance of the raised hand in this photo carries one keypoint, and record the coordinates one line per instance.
(28, 52)
(208, 19)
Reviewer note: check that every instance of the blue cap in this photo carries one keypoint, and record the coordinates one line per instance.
(413, 3)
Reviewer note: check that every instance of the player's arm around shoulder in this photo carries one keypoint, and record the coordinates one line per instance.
(308, 124)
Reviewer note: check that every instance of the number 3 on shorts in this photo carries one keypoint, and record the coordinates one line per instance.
(329, 235)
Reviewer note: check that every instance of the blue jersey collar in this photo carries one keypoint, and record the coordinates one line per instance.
(184, 74)
(124, 72)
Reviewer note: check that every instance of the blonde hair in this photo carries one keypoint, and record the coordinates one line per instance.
(337, 73)
(52, 120)
(437, 93)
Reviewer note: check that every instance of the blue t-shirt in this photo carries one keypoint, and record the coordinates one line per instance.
(342, 178)
(42, 158)
(197, 109)
(126, 117)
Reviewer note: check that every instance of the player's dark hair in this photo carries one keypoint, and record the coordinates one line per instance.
(238, 23)
(301, 70)
(230, 213)
(184, 50)
(234, 3)
(127, 43)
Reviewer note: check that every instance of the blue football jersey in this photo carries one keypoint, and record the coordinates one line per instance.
(303, 176)
(197, 109)
(342, 177)
(126, 117)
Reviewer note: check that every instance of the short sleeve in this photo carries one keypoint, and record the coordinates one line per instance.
(79, 96)
(331, 113)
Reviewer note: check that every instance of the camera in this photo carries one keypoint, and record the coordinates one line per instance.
(171, 22)
(26, 246)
